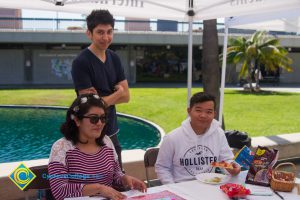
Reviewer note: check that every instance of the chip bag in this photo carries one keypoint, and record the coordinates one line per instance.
(260, 171)
(244, 157)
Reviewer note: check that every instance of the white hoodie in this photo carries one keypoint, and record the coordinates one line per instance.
(184, 154)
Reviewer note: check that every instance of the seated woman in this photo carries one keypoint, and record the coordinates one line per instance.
(83, 162)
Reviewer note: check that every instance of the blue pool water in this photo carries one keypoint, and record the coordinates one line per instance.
(28, 133)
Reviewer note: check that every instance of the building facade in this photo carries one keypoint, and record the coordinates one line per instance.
(10, 13)
(44, 58)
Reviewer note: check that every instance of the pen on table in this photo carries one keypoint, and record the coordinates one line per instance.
(281, 197)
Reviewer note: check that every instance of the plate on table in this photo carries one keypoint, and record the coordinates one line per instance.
(213, 178)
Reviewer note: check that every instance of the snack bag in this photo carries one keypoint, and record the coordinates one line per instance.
(234, 190)
(244, 157)
(260, 171)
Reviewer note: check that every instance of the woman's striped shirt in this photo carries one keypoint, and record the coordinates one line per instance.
(70, 169)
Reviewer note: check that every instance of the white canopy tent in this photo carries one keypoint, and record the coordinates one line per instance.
(180, 10)
(160, 9)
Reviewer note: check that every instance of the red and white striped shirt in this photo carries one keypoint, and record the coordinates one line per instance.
(70, 169)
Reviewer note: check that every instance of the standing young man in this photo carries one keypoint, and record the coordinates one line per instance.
(99, 70)
(191, 148)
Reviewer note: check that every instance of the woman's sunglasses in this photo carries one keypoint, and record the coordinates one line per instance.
(94, 119)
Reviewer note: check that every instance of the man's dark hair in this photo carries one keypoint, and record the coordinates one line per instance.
(202, 97)
(99, 17)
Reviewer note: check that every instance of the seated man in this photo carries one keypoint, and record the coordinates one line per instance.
(190, 149)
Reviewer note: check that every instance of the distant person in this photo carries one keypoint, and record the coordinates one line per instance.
(83, 162)
(191, 148)
(99, 70)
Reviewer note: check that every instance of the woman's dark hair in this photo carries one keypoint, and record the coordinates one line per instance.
(201, 97)
(99, 17)
(80, 106)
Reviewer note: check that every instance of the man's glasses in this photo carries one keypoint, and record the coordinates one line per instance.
(94, 119)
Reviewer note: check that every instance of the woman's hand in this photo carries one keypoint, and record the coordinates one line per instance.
(235, 170)
(111, 193)
(133, 183)
(102, 190)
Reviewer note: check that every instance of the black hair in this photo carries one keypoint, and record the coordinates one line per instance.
(80, 106)
(200, 97)
(97, 17)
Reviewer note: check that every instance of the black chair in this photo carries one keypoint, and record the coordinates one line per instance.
(149, 162)
(40, 182)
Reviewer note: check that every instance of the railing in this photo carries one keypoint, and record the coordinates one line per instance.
(56, 24)
(60, 24)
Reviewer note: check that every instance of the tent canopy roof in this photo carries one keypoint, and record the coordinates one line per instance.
(159, 9)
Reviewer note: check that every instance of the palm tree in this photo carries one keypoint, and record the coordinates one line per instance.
(242, 50)
(260, 49)
(271, 54)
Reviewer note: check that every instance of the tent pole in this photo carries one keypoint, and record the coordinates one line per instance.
(190, 54)
(191, 15)
(223, 71)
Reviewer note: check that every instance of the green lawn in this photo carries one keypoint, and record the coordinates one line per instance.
(267, 113)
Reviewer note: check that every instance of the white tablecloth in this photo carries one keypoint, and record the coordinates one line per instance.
(194, 190)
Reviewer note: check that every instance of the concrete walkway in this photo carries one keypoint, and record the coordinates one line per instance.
(268, 87)
(282, 88)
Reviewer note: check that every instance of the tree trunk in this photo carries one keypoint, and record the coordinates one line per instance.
(257, 76)
(250, 76)
(210, 59)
